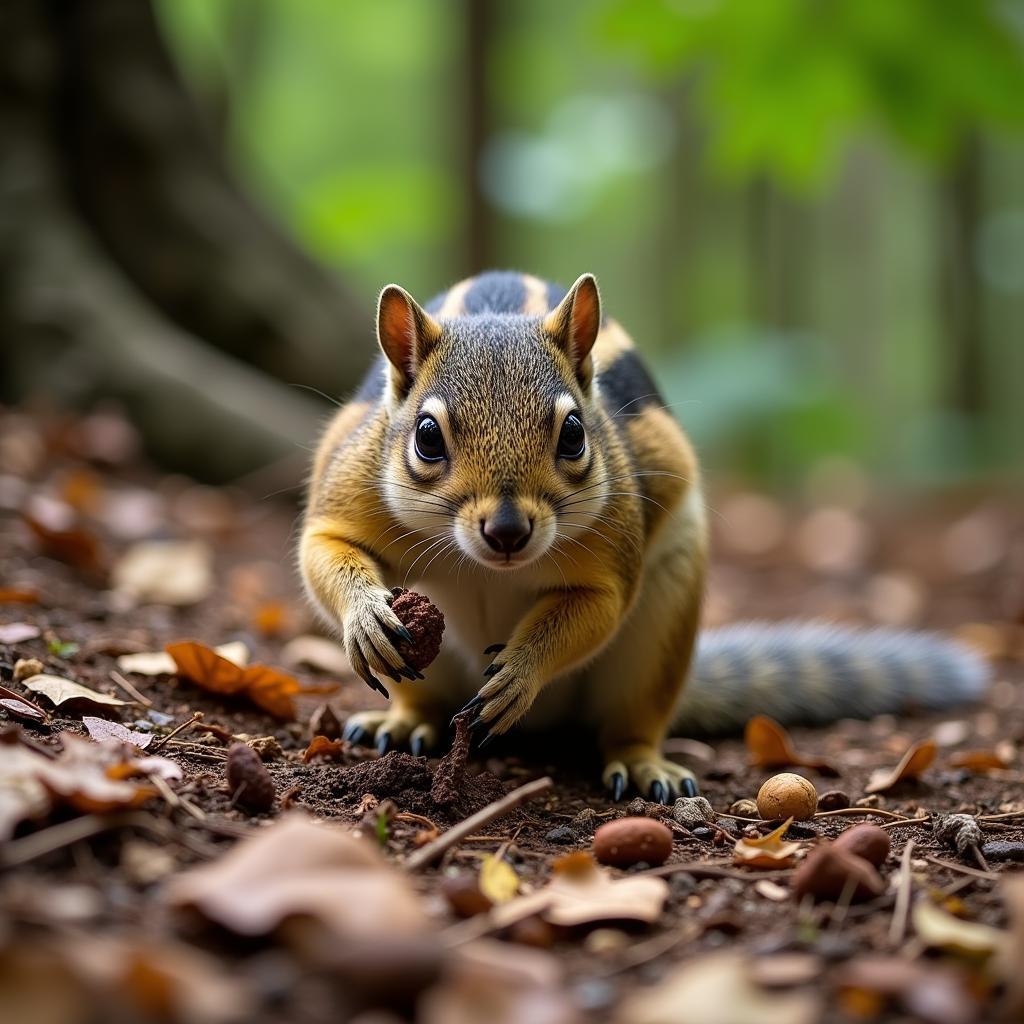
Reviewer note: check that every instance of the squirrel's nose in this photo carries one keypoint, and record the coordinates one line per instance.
(506, 530)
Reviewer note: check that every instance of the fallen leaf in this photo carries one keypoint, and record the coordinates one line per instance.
(61, 691)
(916, 760)
(160, 663)
(580, 892)
(271, 619)
(264, 686)
(316, 652)
(771, 890)
(498, 880)
(325, 749)
(295, 867)
(18, 708)
(164, 572)
(770, 746)
(716, 988)
(979, 761)
(1011, 956)
(22, 794)
(18, 595)
(770, 851)
(73, 545)
(17, 632)
(101, 730)
(939, 930)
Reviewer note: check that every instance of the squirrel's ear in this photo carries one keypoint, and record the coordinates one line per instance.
(405, 331)
(574, 323)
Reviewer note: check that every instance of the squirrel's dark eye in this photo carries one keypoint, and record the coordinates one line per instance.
(429, 440)
(572, 439)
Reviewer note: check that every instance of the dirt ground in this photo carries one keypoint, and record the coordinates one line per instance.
(83, 887)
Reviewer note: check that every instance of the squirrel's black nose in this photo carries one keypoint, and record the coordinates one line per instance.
(507, 530)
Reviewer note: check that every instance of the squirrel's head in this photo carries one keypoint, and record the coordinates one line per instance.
(495, 442)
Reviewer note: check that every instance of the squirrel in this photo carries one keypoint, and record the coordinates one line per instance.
(509, 456)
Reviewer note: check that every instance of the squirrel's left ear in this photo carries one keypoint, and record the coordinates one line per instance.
(406, 333)
(574, 323)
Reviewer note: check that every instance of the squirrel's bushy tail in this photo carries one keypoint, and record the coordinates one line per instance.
(814, 674)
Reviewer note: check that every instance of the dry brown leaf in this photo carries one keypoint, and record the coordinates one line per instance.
(324, 748)
(716, 988)
(916, 760)
(979, 761)
(770, 851)
(940, 930)
(1012, 954)
(266, 687)
(73, 545)
(770, 746)
(271, 619)
(298, 868)
(61, 691)
(19, 595)
(580, 892)
(165, 572)
(317, 652)
(101, 730)
(22, 710)
(160, 663)
(17, 632)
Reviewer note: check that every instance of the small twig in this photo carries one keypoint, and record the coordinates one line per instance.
(979, 857)
(898, 927)
(56, 837)
(179, 729)
(432, 851)
(1000, 817)
(963, 869)
(418, 819)
(905, 821)
(846, 812)
(837, 915)
(129, 688)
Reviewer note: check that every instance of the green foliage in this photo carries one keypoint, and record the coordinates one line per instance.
(784, 84)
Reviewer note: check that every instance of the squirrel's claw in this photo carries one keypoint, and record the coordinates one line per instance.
(470, 705)
(617, 785)
(658, 793)
(383, 743)
(494, 649)
(354, 733)
(689, 787)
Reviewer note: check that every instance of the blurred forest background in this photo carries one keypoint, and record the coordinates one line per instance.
(810, 215)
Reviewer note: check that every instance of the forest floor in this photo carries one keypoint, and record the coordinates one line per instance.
(136, 883)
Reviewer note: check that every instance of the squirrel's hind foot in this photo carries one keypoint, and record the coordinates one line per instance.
(654, 776)
(394, 728)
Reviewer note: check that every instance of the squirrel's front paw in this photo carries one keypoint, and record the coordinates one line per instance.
(368, 627)
(509, 693)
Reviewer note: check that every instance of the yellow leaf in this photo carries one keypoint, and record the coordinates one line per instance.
(770, 746)
(937, 929)
(914, 761)
(770, 851)
(498, 880)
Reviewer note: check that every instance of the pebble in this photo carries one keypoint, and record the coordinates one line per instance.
(833, 800)
(561, 834)
(866, 840)
(627, 841)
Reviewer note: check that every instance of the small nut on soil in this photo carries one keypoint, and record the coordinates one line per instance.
(867, 841)
(248, 780)
(426, 624)
(464, 896)
(787, 796)
(25, 668)
(833, 800)
(745, 808)
(830, 871)
(628, 841)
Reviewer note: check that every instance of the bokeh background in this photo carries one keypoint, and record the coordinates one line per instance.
(810, 215)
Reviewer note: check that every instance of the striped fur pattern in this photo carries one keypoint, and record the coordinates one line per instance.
(814, 674)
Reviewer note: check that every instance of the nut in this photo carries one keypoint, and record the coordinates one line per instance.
(833, 800)
(464, 895)
(628, 841)
(867, 841)
(787, 796)
(745, 808)
(248, 780)
(829, 872)
(424, 621)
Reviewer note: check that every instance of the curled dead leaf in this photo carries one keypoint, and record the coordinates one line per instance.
(769, 852)
(101, 730)
(940, 930)
(916, 760)
(980, 761)
(61, 692)
(160, 663)
(322, 748)
(770, 746)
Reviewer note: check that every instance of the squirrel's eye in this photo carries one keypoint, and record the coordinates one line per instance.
(429, 440)
(572, 439)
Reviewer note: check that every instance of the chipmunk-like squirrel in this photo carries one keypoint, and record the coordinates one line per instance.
(510, 458)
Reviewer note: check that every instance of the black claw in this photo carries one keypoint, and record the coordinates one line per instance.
(417, 746)
(672, 794)
(471, 705)
(494, 649)
(658, 793)
(689, 787)
(404, 634)
(375, 684)
(383, 743)
(354, 733)
(489, 738)
(477, 723)
(413, 673)
(493, 670)
(618, 786)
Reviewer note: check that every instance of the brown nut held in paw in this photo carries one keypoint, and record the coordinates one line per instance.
(629, 841)
(866, 840)
(787, 796)
(249, 781)
(426, 624)
(829, 872)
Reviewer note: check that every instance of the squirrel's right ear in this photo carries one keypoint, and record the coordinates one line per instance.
(406, 333)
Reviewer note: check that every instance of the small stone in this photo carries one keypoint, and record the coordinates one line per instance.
(24, 668)
(249, 781)
(701, 832)
(324, 722)
(745, 808)
(266, 747)
(586, 820)
(833, 800)
(866, 840)
(561, 834)
(692, 811)
(627, 841)
(1004, 850)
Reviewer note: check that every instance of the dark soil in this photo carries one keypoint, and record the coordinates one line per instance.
(918, 563)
